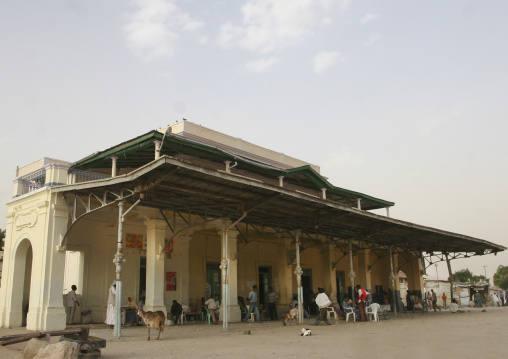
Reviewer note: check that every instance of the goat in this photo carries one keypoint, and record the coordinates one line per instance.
(292, 315)
(153, 319)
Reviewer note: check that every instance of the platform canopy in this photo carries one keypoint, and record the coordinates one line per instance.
(181, 186)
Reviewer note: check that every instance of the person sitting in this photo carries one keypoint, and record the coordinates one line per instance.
(176, 311)
(213, 306)
(347, 304)
(201, 306)
(454, 307)
(418, 303)
(241, 304)
(131, 312)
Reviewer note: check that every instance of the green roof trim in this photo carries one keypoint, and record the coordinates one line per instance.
(139, 151)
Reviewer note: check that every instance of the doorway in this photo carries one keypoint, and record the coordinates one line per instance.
(213, 280)
(340, 278)
(265, 282)
(308, 294)
(142, 278)
(22, 277)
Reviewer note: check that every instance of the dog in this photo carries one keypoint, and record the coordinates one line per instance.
(306, 332)
(292, 315)
(155, 320)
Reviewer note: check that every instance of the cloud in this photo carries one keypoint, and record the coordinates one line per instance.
(271, 24)
(373, 39)
(261, 65)
(151, 31)
(325, 60)
(369, 17)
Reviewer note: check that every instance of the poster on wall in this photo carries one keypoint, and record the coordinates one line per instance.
(134, 241)
(170, 281)
(169, 247)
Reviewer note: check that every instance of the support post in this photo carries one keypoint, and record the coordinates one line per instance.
(119, 260)
(299, 272)
(450, 276)
(224, 270)
(392, 278)
(352, 273)
(113, 166)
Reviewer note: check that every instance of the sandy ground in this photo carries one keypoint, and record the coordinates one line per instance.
(438, 335)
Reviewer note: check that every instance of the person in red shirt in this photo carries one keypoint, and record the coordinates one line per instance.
(362, 297)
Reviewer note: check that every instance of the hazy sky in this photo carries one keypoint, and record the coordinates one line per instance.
(402, 100)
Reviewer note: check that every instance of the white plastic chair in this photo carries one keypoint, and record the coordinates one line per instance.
(372, 311)
(182, 318)
(330, 311)
(350, 311)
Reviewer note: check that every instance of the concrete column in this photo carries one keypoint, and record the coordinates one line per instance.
(6, 289)
(234, 312)
(46, 310)
(181, 252)
(285, 273)
(329, 278)
(157, 149)
(363, 270)
(414, 276)
(56, 174)
(155, 271)
(113, 166)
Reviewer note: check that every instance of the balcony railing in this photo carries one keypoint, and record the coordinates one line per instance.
(78, 176)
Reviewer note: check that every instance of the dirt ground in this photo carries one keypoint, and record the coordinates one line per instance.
(438, 335)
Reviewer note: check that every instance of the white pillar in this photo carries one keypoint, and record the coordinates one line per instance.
(113, 166)
(181, 249)
(234, 312)
(46, 311)
(157, 149)
(155, 275)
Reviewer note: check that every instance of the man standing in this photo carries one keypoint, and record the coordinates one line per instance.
(253, 299)
(444, 297)
(213, 305)
(71, 303)
(272, 304)
(362, 297)
(434, 300)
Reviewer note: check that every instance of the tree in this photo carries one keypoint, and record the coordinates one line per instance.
(2, 238)
(465, 275)
(501, 277)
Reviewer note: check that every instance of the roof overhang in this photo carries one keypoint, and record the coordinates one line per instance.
(172, 184)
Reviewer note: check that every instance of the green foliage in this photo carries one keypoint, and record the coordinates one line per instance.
(465, 275)
(2, 238)
(501, 277)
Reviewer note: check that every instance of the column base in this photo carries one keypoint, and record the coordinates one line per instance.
(235, 314)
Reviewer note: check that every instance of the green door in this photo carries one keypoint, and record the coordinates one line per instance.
(265, 282)
(341, 285)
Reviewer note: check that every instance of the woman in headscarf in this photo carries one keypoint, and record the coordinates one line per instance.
(110, 312)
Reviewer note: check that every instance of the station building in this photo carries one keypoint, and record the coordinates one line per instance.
(187, 212)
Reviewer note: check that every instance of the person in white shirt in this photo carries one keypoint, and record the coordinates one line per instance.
(323, 303)
(71, 303)
(213, 306)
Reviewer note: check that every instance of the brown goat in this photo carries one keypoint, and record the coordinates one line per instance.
(292, 315)
(155, 320)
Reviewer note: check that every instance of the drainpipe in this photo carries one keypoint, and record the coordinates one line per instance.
(281, 181)
(323, 193)
(359, 203)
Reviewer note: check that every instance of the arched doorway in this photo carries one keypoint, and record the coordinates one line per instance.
(22, 276)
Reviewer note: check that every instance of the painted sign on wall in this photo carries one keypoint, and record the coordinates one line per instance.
(170, 281)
